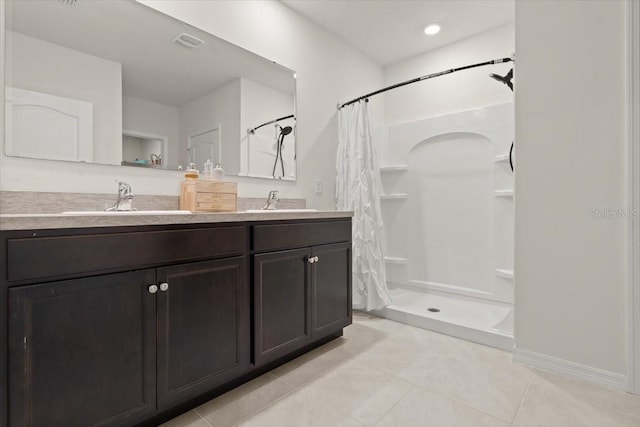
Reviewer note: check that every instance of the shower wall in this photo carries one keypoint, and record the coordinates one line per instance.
(448, 203)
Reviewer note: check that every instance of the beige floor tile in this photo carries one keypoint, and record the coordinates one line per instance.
(555, 401)
(188, 419)
(421, 408)
(396, 375)
(305, 368)
(363, 393)
(417, 372)
(243, 401)
(358, 338)
(299, 409)
(593, 394)
(490, 386)
(390, 354)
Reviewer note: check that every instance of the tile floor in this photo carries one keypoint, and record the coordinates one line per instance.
(383, 373)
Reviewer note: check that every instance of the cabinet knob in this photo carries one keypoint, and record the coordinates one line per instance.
(315, 258)
(311, 260)
(164, 286)
(153, 289)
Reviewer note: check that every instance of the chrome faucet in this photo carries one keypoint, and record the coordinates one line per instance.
(272, 199)
(125, 198)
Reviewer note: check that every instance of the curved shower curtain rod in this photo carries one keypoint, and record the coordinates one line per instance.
(252, 130)
(428, 76)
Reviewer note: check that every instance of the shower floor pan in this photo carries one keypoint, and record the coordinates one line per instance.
(482, 322)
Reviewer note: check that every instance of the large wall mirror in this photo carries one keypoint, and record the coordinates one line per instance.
(116, 82)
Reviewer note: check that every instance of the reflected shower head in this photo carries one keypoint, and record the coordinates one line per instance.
(286, 130)
(506, 79)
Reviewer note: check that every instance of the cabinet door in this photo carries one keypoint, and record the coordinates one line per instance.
(282, 316)
(331, 288)
(82, 351)
(203, 327)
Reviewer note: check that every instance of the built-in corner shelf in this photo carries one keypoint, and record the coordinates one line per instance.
(394, 196)
(395, 260)
(503, 193)
(393, 168)
(507, 274)
(501, 158)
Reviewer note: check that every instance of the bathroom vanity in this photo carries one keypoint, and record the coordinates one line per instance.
(113, 321)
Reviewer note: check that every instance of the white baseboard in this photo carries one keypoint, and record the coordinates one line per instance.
(573, 370)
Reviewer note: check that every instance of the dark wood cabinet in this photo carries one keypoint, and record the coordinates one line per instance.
(82, 351)
(300, 295)
(203, 327)
(282, 303)
(124, 326)
(331, 288)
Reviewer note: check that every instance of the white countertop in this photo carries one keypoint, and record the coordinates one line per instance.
(55, 221)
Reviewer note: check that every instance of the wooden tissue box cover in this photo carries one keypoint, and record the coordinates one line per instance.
(198, 195)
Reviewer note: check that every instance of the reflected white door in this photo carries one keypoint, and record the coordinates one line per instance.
(205, 146)
(44, 126)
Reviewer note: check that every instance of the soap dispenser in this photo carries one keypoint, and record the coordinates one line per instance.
(208, 169)
(218, 173)
(191, 172)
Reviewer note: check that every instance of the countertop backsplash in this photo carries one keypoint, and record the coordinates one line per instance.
(29, 202)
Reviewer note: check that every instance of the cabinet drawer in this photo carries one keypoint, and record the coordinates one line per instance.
(287, 236)
(36, 258)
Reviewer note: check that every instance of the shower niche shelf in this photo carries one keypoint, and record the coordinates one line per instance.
(506, 274)
(394, 196)
(393, 168)
(501, 158)
(503, 193)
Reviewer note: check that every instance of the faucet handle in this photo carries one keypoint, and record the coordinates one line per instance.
(124, 189)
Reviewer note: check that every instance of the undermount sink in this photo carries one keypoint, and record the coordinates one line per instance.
(112, 213)
(279, 210)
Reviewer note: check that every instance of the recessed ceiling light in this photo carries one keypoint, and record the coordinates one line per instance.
(432, 29)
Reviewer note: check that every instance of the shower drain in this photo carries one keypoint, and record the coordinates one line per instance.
(433, 310)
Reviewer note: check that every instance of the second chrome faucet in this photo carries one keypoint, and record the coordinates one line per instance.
(272, 200)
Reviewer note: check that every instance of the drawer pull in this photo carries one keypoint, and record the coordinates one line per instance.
(164, 286)
(153, 289)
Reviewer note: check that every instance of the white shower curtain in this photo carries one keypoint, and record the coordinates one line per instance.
(358, 189)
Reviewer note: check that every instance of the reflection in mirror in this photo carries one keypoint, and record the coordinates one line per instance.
(265, 145)
(205, 147)
(115, 82)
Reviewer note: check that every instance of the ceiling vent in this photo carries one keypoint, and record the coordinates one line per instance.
(187, 40)
(68, 2)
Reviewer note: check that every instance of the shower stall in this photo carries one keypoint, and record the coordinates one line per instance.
(447, 207)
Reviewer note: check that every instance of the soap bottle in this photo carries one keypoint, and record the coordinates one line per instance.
(191, 172)
(218, 173)
(208, 169)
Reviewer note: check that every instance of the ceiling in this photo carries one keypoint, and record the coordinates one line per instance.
(389, 31)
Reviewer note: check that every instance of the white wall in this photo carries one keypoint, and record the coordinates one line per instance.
(159, 119)
(45, 67)
(570, 139)
(328, 71)
(457, 92)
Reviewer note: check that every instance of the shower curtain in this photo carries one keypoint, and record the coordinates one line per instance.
(358, 189)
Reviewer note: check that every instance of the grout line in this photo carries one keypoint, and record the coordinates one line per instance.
(526, 390)
(201, 417)
(395, 404)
